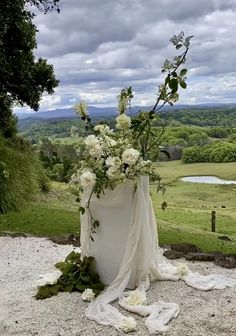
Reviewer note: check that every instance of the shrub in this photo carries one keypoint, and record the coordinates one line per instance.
(216, 152)
(21, 174)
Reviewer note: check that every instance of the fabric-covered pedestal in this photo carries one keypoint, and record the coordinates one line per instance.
(126, 251)
(127, 231)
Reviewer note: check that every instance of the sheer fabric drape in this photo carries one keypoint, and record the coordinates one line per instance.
(126, 251)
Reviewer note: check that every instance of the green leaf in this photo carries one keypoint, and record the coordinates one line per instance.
(96, 223)
(173, 84)
(164, 205)
(85, 277)
(182, 84)
(82, 210)
(183, 72)
(178, 46)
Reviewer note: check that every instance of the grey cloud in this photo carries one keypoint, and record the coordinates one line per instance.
(100, 46)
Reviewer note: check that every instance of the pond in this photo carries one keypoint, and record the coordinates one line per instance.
(206, 179)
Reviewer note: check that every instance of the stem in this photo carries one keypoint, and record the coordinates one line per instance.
(144, 149)
(182, 60)
(157, 140)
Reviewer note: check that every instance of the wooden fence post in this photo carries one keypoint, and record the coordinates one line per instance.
(213, 221)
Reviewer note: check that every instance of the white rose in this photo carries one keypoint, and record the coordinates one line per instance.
(136, 297)
(88, 295)
(96, 150)
(88, 179)
(112, 172)
(123, 122)
(128, 324)
(130, 156)
(91, 140)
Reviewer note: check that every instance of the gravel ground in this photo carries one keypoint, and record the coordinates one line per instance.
(22, 260)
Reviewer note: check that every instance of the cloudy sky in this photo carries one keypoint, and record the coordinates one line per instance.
(98, 47)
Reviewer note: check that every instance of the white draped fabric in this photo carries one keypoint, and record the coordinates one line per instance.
(126, 251)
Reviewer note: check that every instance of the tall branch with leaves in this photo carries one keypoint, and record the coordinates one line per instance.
(168, 93)
(112, 157)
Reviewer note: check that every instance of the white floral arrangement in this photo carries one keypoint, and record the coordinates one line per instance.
(112, 156)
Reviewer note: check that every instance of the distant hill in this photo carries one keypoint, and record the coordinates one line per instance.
(69, 113)
(59, 122)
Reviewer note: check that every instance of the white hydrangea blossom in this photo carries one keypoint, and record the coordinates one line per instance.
(96, 151)
(123, 122)
(110, 141)
(136, 297)
(91, 141)
(130, 156)
(112, 172)
(88, 179)
(103, 129)
(182, 269)
(128, 324)
(112, 161)
(88, 295)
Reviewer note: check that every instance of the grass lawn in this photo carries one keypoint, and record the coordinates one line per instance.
(172, 170)
(188, 214)
(51, 214)
(186, 218)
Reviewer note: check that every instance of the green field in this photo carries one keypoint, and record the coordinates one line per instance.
(170, 171)
(188, 214)
(186, 218)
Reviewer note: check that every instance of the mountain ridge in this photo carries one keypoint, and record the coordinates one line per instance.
(69, 113)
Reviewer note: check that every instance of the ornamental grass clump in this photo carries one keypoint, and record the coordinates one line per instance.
(21, 174)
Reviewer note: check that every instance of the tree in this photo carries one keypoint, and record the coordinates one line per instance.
(23, 78)
(45, 5)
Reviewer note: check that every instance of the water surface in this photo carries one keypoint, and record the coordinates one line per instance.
(206, 179)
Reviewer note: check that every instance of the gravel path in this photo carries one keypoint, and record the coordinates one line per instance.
(22, 260)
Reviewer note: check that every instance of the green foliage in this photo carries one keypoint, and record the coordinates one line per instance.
(23, 79)
(232, 138)
(218, 132)
(77, 275)
(201, 117)
(37, 130)
(59, 159)
(21, 174)
(215, 152)
(45, 5)
(185, 136)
